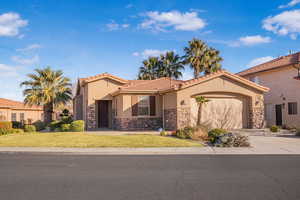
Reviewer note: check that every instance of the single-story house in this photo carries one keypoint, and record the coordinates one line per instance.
(107, 101)
(282, 76)
(17, 111)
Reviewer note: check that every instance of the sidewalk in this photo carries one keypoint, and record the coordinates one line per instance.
(261, 145)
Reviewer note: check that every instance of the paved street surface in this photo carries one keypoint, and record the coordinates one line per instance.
(27, 176)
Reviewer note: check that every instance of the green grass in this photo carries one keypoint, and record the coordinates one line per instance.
(85, 140)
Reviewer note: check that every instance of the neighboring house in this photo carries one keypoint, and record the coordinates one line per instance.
(17, 111)
(107, 101)
(282, 76)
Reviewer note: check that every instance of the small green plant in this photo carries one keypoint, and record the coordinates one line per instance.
(18, 130)
(163, 133)
(215, 133)
(65, 127)
(189, 132)
(77, 126)
(6, 125)
(274, 129)
(29, 128)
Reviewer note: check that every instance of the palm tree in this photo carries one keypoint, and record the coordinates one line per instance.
(149, 69)
(48, 88)
(201, 100)
(171, 65)
(201, 58)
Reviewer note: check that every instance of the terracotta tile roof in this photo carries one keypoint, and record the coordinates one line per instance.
(101, 76)
(276, 63)
(7, 103)
(162, 85)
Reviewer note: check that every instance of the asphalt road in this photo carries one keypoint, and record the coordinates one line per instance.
(43, 176)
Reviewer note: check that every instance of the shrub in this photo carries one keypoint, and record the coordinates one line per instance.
(215, 133)
(297, 132)
(18, 130)
(231, 140)
(180, 134)
(54, 124)
(189, 132)
(57, 130)
(39, 125)
(16, 124)
(6, 125)
(274, 129)
(66, 120)
(77, 126)
(5, 131)
(29, 128)
(163, 133)
(65, 127)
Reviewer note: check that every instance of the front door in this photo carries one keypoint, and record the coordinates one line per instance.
(278, 110)
(103, 114)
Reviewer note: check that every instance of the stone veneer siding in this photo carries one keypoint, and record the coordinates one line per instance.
(91, 117)
(183, 117)
(170, 119)
(139, 123)
(257, 119)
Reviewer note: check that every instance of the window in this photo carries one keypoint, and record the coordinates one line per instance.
(13, 117)
(255, 79)
(143, 105)
(293, 108)
(22, 117)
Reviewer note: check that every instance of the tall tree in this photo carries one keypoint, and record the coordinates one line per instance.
(201, 58)
(48, 88)
(171, 65)
(149, 69)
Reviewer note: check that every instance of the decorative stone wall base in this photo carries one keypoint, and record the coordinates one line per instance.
(132, 124)
(170, 118)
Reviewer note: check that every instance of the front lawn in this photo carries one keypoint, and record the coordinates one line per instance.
(68, 139)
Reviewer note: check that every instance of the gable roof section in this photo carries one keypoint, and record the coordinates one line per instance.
(163, 85)
(7, 103)
(102, 76)
(283, 61)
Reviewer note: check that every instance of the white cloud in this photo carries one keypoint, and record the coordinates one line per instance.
(113, 26)
(157, 21)
(258, 61)
(7, 71)
(150, 53)
(290, 4)
(285, 23)
(10, 23)
(254, 40)
(26, 61)
(29, 48)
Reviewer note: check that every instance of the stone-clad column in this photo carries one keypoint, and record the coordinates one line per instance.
(257, 114)
(91, 116)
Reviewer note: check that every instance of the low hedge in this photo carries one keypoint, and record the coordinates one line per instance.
(77, 126)
(65, 127)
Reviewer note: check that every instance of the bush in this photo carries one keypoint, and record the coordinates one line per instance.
(39, 125)
(231, 140)
(274, 129)
(6, 125)
(5, 131)
(18, 130)
(65, 127)
(163, 133)
(54, 124)
(180, 134)
(77, 126)
(215, 133)
(297, 132)
(29, 128)
(57, 130)
(200, 133)
(16, 124)
(66, 120)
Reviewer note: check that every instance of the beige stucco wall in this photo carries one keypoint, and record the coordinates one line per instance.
(282, 86)
(124, 105)
(33, 115)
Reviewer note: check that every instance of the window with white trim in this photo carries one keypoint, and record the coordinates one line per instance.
(14, 117)
(292, 108)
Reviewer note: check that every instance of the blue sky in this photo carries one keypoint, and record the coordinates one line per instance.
(85, 38)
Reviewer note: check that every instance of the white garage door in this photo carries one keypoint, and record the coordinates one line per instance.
(224, 113)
